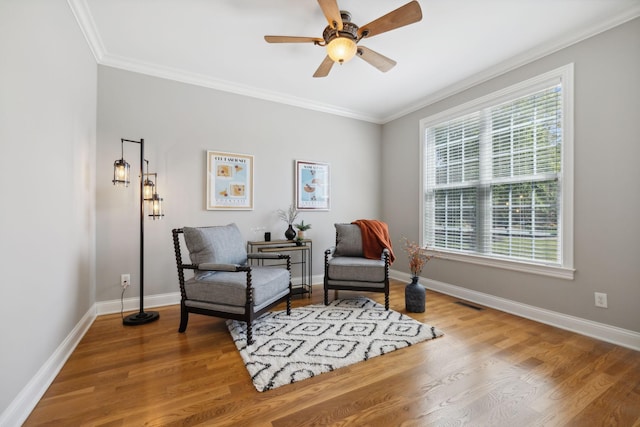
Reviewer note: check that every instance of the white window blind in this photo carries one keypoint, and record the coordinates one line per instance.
(493, 177)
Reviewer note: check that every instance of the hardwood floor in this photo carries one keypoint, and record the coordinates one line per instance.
(489, 369)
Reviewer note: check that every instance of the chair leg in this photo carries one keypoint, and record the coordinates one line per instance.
(289, 305)
(184, 318)
(386, 301)
(249, 333)
(326, 296)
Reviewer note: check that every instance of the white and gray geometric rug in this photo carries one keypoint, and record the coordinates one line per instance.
(318, 338)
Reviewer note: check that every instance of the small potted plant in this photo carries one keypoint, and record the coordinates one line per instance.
(289, 216)
(302, 227)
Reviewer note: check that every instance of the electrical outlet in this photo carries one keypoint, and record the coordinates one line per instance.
(601, 299)
(125, 280)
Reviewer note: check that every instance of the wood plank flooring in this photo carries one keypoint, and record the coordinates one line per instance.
(489, 369)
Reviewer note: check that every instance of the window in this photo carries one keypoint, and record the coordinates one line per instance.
(497, 178)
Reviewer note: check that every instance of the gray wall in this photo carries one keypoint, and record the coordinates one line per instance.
(47, 137)
(606, 199)
(56, 171)
(180, 122)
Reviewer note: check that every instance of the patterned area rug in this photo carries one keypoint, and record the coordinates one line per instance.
(318, 338)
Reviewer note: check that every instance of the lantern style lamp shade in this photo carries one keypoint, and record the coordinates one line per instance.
(121, 173)
(341, 49)
(148, 190)
(148, 187)
(156, 207)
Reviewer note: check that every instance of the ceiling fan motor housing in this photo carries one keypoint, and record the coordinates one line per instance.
(349, 29)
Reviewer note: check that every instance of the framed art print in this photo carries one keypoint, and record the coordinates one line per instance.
(312, 186)
(229, 181)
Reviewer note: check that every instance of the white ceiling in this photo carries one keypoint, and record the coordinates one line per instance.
(219, 44)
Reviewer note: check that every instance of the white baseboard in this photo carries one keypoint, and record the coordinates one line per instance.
(601, 331)
(318, 279)
(20, 408)
(133, 303)
(18, 411)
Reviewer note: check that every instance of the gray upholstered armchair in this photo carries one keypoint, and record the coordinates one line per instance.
(223, 283)
(346, 268)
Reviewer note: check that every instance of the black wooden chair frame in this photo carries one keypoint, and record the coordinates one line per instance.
(249, 314)
(336, 286)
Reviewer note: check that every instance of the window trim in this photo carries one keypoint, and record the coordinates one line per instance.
(563, 75)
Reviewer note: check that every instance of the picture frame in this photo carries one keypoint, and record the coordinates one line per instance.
(229, 181)
(313, 186)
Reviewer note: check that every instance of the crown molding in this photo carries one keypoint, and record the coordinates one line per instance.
(88, 27)
(518, 61)
(197, 79)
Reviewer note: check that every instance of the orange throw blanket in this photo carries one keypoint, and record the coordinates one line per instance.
(375, 237)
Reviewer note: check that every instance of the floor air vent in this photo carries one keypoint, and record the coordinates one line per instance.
(466, 304)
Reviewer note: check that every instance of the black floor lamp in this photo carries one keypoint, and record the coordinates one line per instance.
(149, 193)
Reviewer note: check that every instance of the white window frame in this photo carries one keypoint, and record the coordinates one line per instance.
(563, 75)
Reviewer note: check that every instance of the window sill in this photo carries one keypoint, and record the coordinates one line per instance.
(558, 272)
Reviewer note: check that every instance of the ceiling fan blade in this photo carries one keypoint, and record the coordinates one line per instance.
(379, 61)
(331, 12)
(324, 68)
(292, 39)
(404, 15)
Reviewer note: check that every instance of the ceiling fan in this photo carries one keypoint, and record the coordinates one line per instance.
(341, 36)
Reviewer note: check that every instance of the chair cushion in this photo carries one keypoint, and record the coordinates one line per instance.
(356, 269)
(348, 240)
(227, 288)
(216, 245)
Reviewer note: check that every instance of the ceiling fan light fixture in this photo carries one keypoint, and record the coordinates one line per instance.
(341, 49)
(341, 36)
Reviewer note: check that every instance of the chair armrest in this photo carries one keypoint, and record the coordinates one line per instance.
(386, 256)
(218, 267)
(328, 254)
